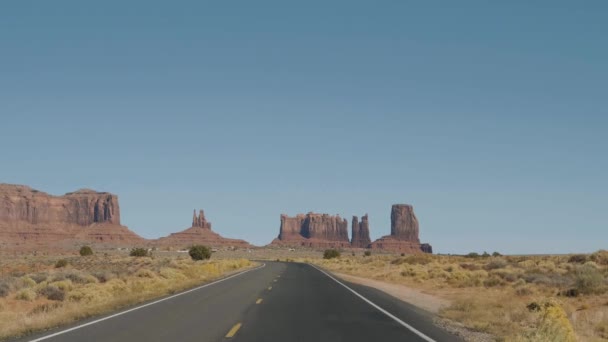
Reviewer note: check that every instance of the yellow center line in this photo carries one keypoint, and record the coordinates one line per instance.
(233, 331)
(258, 301)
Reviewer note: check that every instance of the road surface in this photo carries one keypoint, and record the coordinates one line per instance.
(276, 302)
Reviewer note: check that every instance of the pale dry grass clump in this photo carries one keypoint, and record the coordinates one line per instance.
(30, 302)
(492, 294)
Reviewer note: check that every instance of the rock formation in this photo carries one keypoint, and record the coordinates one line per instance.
(313, 230)
(404, 232)
(200, 221)
(360, 232)
(199, 234)
(33, 219)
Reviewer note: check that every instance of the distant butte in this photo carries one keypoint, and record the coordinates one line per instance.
(31, 219)
(313, 230)
(404, 232)
(199, 233)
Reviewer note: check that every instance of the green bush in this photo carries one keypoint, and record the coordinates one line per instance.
(496, 254)
(61, 263)
(139, 252)
(199, 252)
(472, 255)
(86, 250)
(331, 253)
(367, 253)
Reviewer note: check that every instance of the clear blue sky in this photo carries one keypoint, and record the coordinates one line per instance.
(489, 117)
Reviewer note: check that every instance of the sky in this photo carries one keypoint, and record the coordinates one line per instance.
(490, 118)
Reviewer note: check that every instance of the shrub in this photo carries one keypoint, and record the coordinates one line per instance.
(61, 263)
(589, 280)
(492, 281)
(402, 254)
(4, 290)
(600, 257)
(496, 264)
(367, 253)
(39, 277)
(139, 252)
(470, 267)
(86, 250)
(26, 294)
(523, 291)
(52, 293)
(496, 254)
(199, 252)
(80, 278)
(485, 254)
(577, 259)
(472, 255)
(331, 253)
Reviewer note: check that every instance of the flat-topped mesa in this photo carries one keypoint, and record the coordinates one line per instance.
(84, 207)
(200, 221)
(313, 230)
(360, 232)
(404, 232)
(33, 219)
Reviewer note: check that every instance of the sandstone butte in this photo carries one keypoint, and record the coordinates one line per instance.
(33, 220)
(325, 231)
(199, 233)
(313, 230)
(360, 232)
(404, 232)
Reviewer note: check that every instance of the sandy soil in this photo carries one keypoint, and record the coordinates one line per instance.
(407, 294)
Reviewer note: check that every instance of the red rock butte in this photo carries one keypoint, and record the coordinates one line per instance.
(313, 230)
(404, 232)
(31, 219)
(325, 231)
(199, 233)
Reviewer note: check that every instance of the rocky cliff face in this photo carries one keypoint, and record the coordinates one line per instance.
(404, 232)
(360, 232)
(199, 234)
(404, 224)
(84, 207)
(31, 218)
(313, 230)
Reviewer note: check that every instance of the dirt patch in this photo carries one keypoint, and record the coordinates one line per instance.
(407, 294)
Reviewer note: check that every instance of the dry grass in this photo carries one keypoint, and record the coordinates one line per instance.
(35, 295)
(515, 298)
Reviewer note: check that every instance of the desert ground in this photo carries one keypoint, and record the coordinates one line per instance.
(477, 297)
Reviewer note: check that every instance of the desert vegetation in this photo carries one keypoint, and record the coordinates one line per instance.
(514, 298)
(199, 252)
(44, 292)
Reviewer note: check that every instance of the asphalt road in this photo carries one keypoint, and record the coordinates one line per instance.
(278, 302)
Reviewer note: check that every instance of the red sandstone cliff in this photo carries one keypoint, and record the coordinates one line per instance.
(31, 219)
(313, 230)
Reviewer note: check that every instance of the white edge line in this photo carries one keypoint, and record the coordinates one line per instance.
(412, 329)
(142, 306)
